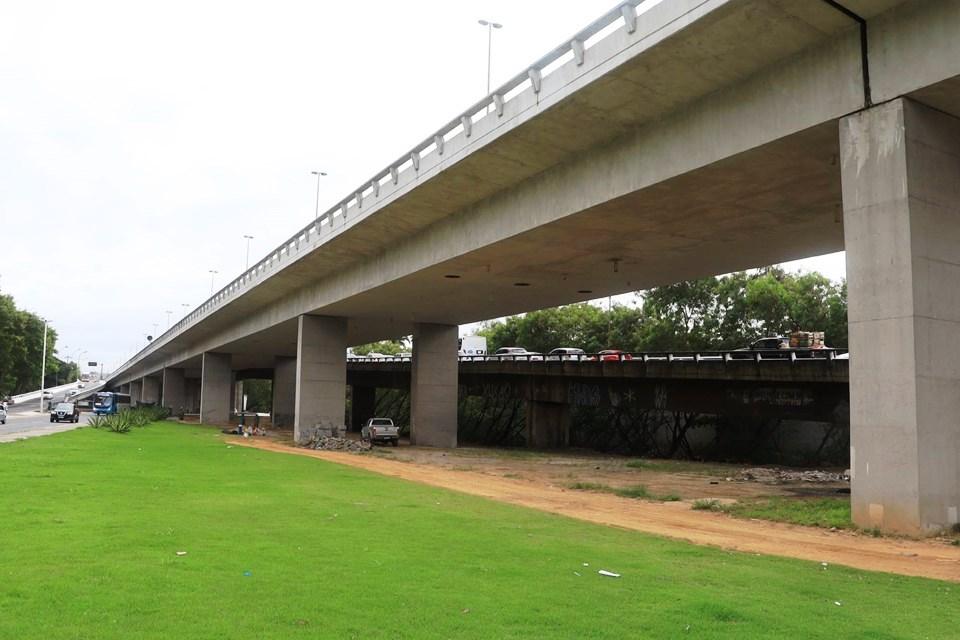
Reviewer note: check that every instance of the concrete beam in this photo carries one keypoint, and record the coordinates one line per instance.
(321, 389)
(215, 385)
(901, 194)
(284, 391)
(173, 394)
(434, 386)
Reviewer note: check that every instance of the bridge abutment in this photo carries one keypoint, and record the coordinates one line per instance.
(321, 376)
(548, 425)
(901, 198)
(363, 404)
(434, 386)
(215, 388)
(173, 390)
(284, 391)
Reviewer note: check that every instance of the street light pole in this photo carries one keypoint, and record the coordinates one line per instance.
(43, 364)
(246, 264)
(213, 274)
(316, 210)
(490, 27)
(168, 318)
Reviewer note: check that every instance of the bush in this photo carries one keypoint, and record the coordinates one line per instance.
(127, 419)
(707, 505)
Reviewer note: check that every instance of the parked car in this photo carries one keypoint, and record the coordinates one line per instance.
(613, 355)
(65, 412)
(374, 354)
(515, 353)
(3, 414)
(566, 353)
(380, 430)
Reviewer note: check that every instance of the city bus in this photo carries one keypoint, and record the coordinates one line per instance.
(106, 402)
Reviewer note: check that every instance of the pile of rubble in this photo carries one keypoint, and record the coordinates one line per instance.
(333, 443)
(779, 476)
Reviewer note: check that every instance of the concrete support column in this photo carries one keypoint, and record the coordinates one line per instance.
(548, 424)
(215, 385)
(321, 386)
(901, 197)
(150, 390)
(173, 395)
(434, 386)
(136, 391)
(363, 402)
(284, 391)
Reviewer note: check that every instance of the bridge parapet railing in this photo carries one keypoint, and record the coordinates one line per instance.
(573, 49)
(696, 357)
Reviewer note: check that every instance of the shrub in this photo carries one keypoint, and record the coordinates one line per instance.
(707, 505)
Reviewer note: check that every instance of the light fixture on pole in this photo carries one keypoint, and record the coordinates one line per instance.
(169, 313)
(316, 209)
(490, 27)
(246, 263)
(213, 274)
(43, 364)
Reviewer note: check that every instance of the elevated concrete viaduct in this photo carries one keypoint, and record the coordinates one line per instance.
(696, 137)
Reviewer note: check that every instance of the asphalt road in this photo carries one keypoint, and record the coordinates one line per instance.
(25, 421)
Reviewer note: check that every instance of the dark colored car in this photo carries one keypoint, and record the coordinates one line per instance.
(65, 412)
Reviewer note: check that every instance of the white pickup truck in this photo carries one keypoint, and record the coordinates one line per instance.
(380, 430)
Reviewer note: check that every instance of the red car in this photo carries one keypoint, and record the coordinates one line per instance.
(614, 355)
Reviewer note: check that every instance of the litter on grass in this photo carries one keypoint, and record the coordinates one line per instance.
(181, 553)
(609, 574)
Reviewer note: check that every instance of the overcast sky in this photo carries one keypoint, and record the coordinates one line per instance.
(140, 142)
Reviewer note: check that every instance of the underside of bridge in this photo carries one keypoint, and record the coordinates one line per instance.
(719, 135)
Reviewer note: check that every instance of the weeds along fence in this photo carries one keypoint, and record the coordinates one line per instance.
(126, 420)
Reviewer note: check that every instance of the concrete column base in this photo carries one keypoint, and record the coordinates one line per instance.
(548, 425)
(173, 391)
(433, 386)
(284, 391)
(321, 389)
(363, 402)
(901, 197)
(215, 385)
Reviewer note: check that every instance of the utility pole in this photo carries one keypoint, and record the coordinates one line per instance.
(246, 264)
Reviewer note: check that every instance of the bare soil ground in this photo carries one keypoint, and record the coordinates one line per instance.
(541, 481)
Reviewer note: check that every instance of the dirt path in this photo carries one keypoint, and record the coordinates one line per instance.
(929, 559)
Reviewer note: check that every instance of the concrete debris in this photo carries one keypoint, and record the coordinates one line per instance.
(770, 475)
(609, 574)
(331, 443)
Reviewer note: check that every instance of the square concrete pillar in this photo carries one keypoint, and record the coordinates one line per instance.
(321, 385)
(901, 197)
(173, 391)
(434, 386)
(150, 390)
(136, 391)
(284, 391)
(215, 387)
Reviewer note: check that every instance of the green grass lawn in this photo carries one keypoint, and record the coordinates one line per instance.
(813, 512)
(283, 546)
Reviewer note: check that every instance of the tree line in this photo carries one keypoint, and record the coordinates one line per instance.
(21, 350)
(716, 313)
